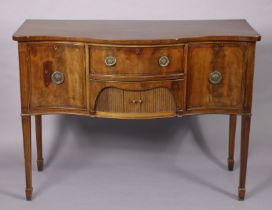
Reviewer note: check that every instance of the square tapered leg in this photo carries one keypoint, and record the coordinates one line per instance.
(26, 125)
(38, 125)
(232, 129)
(244, 155)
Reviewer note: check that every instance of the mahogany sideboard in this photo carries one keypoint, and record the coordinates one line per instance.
(136, 70)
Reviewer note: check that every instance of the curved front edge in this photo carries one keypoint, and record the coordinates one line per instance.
(136, 100)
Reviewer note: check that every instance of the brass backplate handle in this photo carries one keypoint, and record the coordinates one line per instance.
(57, 77)
(215, 77)
(110, 61)
(164, 61)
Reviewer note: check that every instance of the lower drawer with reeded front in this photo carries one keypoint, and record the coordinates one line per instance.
(137, 100)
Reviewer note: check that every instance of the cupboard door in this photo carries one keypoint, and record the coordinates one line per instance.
(215, 76)
(57, 76)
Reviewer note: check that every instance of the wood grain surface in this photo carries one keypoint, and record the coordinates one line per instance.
(229, 60)
(136, 60)
(136, 31)
(68, 59)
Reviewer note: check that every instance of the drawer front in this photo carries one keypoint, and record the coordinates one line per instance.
(137, 100)
(216, 76)
(57, 76)
(136, 60)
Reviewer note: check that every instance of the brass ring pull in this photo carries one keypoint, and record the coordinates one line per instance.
(164, 61)
(110, 61)
(57, 77)
(215, 77)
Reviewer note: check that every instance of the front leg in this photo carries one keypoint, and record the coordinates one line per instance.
(26, 125)
(38, 124)
(244, 154)
(232, 129)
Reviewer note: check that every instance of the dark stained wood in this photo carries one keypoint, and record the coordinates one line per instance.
(38, 124)
(136, 31)
(232, 129)
(137, 87)
(136, 60)
(245, 128)
(47, 72)
(26, 125)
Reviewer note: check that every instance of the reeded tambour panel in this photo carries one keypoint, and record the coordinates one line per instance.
(114, 100)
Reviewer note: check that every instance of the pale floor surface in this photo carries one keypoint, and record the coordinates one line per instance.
(169, 164)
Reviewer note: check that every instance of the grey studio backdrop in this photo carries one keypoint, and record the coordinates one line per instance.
(104, 164)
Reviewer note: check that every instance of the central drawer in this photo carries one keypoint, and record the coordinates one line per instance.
(130, 60)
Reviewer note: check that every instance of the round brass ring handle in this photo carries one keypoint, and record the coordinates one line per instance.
(110, 61)
(215, 77)
(57, 77)
(164, 61)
